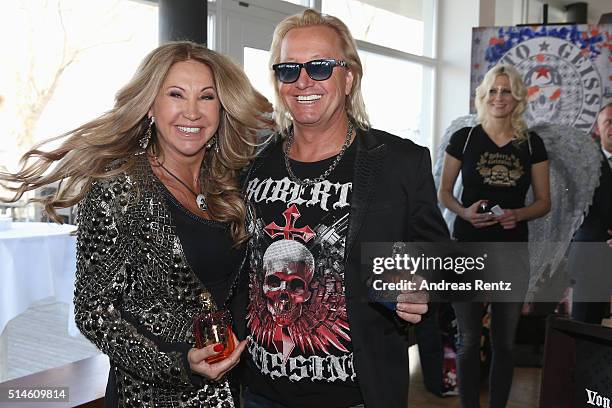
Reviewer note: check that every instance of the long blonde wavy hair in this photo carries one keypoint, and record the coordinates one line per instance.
(519, 93)
(355, 106)
(86, 152)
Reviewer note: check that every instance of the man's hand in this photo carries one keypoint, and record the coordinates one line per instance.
(412, 305)
(609, 242)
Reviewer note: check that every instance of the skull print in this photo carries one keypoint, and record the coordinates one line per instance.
(289, 268)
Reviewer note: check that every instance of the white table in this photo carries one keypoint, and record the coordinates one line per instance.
(37, 260)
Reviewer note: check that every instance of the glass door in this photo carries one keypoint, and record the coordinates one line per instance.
(247, 29)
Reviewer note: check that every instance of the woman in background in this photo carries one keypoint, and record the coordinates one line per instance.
(161, 220)
(498, 160)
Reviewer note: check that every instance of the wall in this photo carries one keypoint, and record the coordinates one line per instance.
(509, 12)
(596, 9)
(455, 22)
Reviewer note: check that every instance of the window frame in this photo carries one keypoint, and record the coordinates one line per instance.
(430, 65)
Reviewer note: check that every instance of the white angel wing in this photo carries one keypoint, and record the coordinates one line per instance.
(575, 167)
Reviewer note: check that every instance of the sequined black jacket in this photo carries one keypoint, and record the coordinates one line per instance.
(136, 295)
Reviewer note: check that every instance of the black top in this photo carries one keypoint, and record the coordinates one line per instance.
(301, 352)
(207, 245)
(501, 175)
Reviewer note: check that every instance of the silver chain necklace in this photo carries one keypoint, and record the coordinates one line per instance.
(332, 166)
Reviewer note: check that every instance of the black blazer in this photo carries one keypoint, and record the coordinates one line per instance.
(393, 199)
(599, 216)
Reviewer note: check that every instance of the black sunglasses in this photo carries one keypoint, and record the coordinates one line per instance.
(318, 70)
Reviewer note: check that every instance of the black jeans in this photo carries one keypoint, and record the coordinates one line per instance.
(504, 319)
(510, 263)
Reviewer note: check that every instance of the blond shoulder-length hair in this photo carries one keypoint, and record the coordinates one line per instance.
(85, 153)
(355, 107)
(519, 93)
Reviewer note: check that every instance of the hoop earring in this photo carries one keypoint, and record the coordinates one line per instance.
(144, 141)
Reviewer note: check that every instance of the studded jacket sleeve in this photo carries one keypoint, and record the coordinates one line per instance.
(105, 261)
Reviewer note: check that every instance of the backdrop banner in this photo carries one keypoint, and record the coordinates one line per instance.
(566, 68)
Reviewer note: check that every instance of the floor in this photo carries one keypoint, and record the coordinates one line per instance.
(38, 339)
(525, 389)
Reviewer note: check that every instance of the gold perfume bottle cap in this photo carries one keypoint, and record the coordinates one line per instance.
(206, 300)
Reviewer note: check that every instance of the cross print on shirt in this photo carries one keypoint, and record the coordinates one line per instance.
(289, 231)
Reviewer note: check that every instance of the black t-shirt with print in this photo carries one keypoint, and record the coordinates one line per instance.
(501, 175)
(301, 352)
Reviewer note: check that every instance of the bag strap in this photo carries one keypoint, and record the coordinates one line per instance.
(529, 144)
(467, 140)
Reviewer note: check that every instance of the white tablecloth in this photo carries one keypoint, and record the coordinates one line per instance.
(37, 260)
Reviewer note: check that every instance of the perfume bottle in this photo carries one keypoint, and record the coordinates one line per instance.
(212, 327)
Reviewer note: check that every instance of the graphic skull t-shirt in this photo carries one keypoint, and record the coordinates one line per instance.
(300, 352)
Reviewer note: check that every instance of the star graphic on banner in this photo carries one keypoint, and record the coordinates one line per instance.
(544, 46)
(476, 41)
(542, 71)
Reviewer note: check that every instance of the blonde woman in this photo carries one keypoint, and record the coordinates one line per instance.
(498, 160)
(161, 220)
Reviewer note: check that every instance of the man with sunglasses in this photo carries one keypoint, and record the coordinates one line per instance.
(325, 185)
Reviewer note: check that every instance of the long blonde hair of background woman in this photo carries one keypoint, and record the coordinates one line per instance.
(86, 152)
(519, 93)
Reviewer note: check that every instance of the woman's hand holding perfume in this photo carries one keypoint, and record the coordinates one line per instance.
(198, 357)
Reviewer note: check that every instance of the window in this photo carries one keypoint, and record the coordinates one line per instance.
(67, 60)
(256, 67)
(247, 36)
(396, 45)
(63, 62)
(394, 91)
(401, 25)
(305, 3)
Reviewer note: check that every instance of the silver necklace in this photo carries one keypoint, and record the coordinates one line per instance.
(332, 166)
(200, 198)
